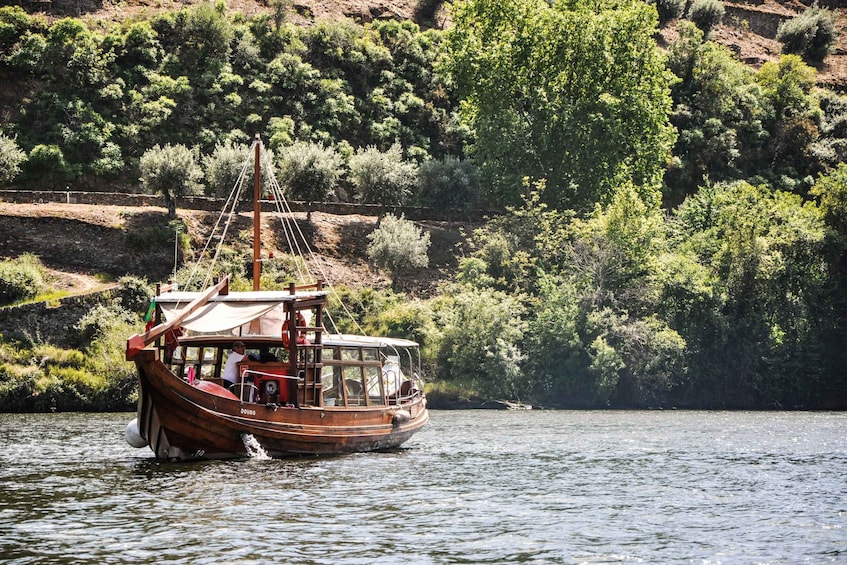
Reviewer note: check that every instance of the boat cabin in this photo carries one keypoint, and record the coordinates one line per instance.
(344, 371)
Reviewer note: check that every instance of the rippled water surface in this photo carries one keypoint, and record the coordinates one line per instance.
(473, 487)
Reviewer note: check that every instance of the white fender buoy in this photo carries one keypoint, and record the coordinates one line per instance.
(133, 437)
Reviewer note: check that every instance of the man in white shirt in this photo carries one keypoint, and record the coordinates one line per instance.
(230, 374)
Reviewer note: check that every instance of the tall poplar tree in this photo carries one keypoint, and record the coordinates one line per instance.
(574, 92)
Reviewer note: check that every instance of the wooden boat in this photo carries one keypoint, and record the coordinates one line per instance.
(321, 392)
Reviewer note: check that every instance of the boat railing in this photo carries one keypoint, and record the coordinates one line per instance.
(247, 372)
(267, 387)
(293, 288)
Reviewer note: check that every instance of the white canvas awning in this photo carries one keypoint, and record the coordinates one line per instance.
(218, 317)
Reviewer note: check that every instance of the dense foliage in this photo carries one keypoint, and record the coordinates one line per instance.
(89, 103)
(38, 377)
(672, 229)
(554, 92)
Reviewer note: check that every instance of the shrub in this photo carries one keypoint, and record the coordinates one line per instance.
(812, 34)
(669, 10)
(20, 279)
(406, 319)
(706, 14)
(398, 245)
(135, 293)
(448, 183)
(11, 158)
(100, 320)
(47, 355)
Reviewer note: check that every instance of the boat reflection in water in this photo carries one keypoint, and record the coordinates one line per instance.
(301, 389)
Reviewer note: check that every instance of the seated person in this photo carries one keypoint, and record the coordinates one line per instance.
(230, 373)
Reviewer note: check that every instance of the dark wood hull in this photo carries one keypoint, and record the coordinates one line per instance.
(182, 422)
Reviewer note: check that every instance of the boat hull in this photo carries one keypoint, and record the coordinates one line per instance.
(180, 421)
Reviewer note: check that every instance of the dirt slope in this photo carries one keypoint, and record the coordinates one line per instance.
(82, 241)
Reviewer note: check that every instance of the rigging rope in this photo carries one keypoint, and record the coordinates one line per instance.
(290, 228)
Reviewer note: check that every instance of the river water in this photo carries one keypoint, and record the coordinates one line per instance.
(473, 487)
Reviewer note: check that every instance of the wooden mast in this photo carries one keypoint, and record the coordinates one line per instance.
(257, 225)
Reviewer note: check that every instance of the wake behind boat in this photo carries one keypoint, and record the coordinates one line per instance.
(299, 388)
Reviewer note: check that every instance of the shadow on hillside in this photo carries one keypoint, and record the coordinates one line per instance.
(64, 243)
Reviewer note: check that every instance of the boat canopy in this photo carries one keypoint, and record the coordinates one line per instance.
(351, 340)
(235, 312)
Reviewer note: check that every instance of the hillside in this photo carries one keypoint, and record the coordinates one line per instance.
(78, 241)
(749, 26)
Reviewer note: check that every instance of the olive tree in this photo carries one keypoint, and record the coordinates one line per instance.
(11, 158)
(171, 171)
(706, 14)
(310, 171)
(398, 245)
(811, 35)
(383, 177)
(224, 167)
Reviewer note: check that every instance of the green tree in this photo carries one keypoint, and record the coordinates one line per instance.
(310, 172)
(831, 192)
(719, 110)
(171, 171)
(830, 149)
(706, 14)
(398, 245)
(46, 167)
(11, 157)
(812, 34)
(383, 177)
(786, 88)
(758, 342)
(479, 346)
(574, 92)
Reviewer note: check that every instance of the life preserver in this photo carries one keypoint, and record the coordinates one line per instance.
(301, 335)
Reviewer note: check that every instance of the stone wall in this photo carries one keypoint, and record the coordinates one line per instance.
(216, 204)
(758, 21)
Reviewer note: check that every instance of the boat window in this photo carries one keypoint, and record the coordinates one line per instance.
(370, 355)
(328, 354)
(392, 375)
(331, 386)
(351, 354)
(374, 381)
(353, 384)
(192, 354)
